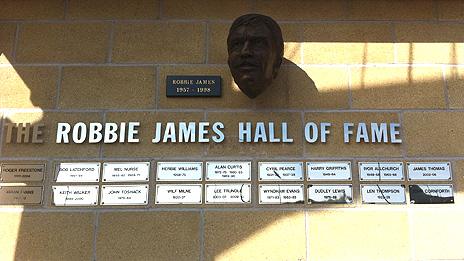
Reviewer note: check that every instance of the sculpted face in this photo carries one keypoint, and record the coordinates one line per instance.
(252, 58)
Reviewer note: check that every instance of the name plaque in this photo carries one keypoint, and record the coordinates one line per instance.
(234, 170)
(383, 194)
(329, 194)
(328, 170)
(21, 195)
(379, 171)
(429, 170)
(75, 195)
(178, 194)
(126, 171)
(228, 193)
(188, 85)
(281, 194)
(431, 194)
(124, 195)
(22, 172)
(280, 170)
(78, 172)
(173, 171)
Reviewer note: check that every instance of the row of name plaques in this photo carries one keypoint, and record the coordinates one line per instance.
(217, 171)
(137, 194)
(87, 195)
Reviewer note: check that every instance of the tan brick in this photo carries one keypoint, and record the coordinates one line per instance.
(231, 97)
(7, 36)
(263, 235)
(303, 10)
(46, 236)
(113, 9)
(430, 43)
(397, 87)
(63, 43)
(368, 233)
(458, 177)
(149, 236)
(232, 147)
(145, 148)
(217, 51)
(435, 234)
(392, 10)
(49, 148)
(335, 145)
(454, 79)
(205, 9)
(108, 87)
(31, 9)
(433, 133)
(159, 43)
(450, 10)
(347, 43)
(305, 87)
(28, 87)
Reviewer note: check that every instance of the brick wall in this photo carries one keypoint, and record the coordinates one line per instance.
(346, 61)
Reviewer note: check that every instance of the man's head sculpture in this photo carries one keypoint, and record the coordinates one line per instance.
(255, 46)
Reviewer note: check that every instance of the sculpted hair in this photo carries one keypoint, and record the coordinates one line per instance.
(253, 19)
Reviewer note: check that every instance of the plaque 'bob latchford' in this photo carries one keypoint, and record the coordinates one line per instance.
(255, 47)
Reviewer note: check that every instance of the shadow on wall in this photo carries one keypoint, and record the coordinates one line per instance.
(226, 233)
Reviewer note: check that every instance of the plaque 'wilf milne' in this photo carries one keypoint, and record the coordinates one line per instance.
(255, 47)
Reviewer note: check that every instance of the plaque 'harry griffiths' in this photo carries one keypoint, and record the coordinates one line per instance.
(255, 47)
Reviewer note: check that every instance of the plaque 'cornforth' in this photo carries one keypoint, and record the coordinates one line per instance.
(255, 47)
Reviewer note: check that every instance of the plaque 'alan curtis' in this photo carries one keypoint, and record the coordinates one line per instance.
(230, 170)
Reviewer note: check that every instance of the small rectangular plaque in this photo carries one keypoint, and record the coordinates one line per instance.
(431, 194)
(20, 195)
(380, 171)
(230, 170)
(22, 172)
(281, 194)
(328, 170)
(189, 85)
(228, 193)
(329, 194)
(178, 194)
(173, 171)
(383, 194)
(429, 170)
(78, 172)
(280, 170)
(75, 195)
(126, 171)
(124, 195)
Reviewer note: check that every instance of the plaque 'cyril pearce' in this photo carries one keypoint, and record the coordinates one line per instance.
(255, 47)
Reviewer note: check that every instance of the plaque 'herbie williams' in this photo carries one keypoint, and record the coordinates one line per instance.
(255, 47)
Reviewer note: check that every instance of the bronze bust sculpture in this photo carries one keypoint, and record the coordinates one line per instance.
(255, 47)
